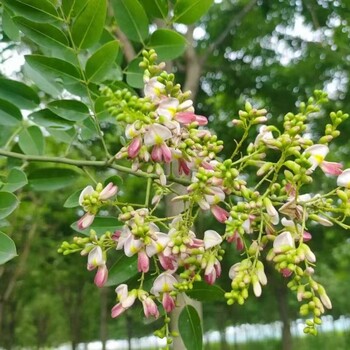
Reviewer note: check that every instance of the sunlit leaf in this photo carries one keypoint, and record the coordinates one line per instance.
(156, 8)
(69, 109)
(134, 74)
(8, 26)
(48, 119)
(204, 292)
(10, 115)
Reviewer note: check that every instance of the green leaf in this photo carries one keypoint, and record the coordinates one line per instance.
(10, 115)
(43, 34)
(65, 74)
(101, 225)
(36, 10)
(190, 11)
(134, 74)
(204, 292)
(73, 200)
(51, 86)
(69, 109)
(7, 248)
(16, 179)
(156, 8)
(31, 141)
(88, 25)
(65, 136)
(101, 62)
(8, 26)
(48, 119)
(88, 130)
(54, 68)
(190, 328)
(72, 8)
(115, 179)
(18, 94)
(167, 43)
(122, 270)
(51, 179)
(8, 203)
(131, 18)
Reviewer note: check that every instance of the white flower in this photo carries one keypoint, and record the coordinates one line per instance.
(211, 239)
(284, 239)
(344, 179)
(156, 135)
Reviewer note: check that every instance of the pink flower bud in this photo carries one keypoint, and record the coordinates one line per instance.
(109, 191)
(168, 302)
(134, 147)
(101, 276)
(85, 221)
(142, 261)
(150, 307)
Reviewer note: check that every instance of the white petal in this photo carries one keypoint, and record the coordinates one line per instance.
(88, 190)
(155, 134)
(211, 239)
(344, 179)
(282, 240)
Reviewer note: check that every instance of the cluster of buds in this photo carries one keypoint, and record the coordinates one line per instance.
(266, 219)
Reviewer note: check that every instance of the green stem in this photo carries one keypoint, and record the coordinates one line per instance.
(15, 133)
(89, 163)
(148, 191)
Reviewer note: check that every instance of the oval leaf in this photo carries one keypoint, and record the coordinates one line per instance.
(73, 200)
(122, 270)
(9, 28)
(8, 203)
(7, 248)
(101, 62)
(204, 292)
(168, 44)
(190, 328)
(134, 74)
(16, 179)
(48, 119)
(190, 11)
(72, 8)
(88, 25)
(37, 10)
(69, 109)
(51, 179)
(31, 141)
(131, 18)
(18, 94)
(101, 225)
(10, 115)
(43, 34)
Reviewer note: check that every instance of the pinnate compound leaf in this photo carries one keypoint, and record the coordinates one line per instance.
(156, 8)
(101, 62)
(190, 328)
(31, 141)
(36, 10)
(134, 74)
(101, 225)
(190, 11)
(69, 109)
(43, 34)
(18, 94)
(204, 292)
(16, 179)
(10, 115)
(51, 179)
(122, 270)
(167, 43)
(7, 248)
(8, 203)
(131, 18)
(88, 25)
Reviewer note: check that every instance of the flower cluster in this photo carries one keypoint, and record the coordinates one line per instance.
(267, 220)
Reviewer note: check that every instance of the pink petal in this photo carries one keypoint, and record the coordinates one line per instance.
(101, 276)
(85, 221)
(331, 168)
(134, 147)
(220, 214)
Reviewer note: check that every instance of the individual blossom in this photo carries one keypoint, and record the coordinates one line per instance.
(163, 285)
(149, 306)
(318, 153)
(126, 299)
(96, 259)
(154, 89)
(284, 241)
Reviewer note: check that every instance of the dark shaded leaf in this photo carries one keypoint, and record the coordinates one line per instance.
(190, 328)
(7, 248)
(101, 225)
(48, 119)
(8, 203)
(15, 179)
(10, 115)
(122, 270)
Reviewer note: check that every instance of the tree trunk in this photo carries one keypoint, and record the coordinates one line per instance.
(103, 317)
(129, 329)
(281, 292)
